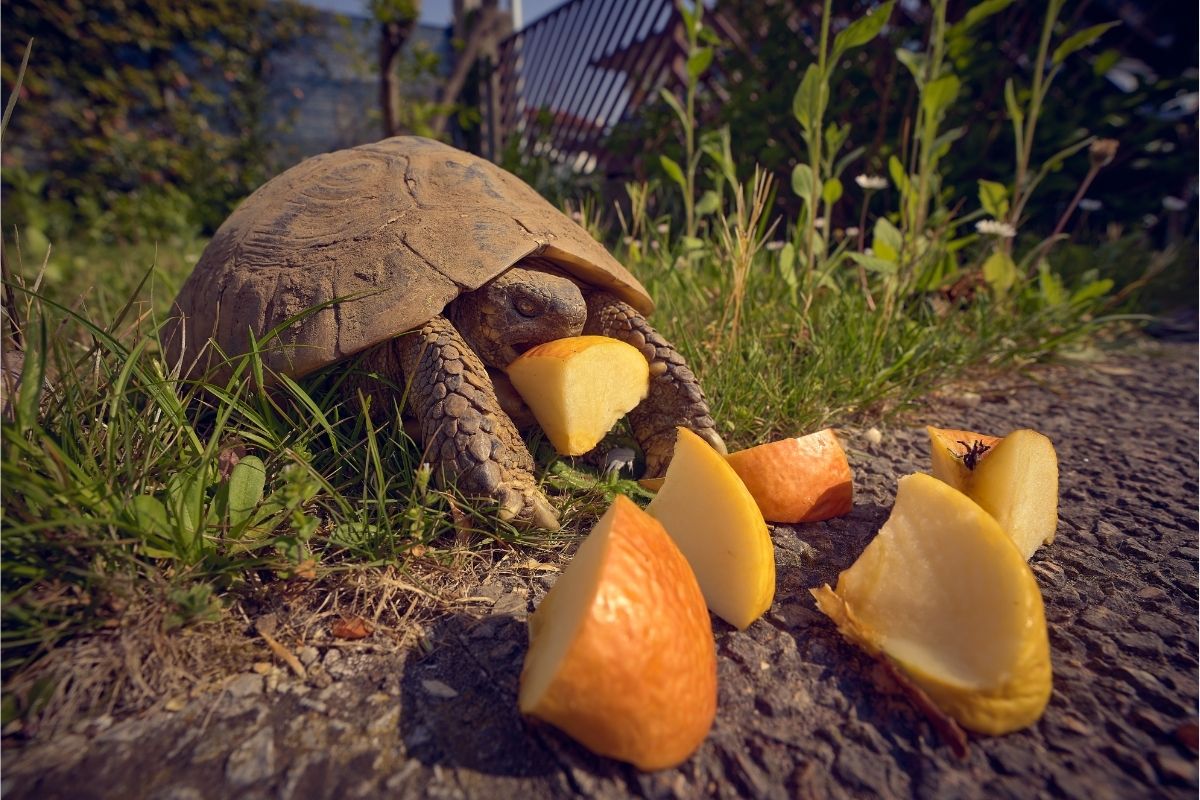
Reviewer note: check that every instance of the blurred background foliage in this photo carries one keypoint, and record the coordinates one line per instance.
(142, 118)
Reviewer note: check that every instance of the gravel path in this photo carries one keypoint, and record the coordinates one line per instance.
(801, 713)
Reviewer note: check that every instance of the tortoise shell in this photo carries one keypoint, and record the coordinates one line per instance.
(379, 239)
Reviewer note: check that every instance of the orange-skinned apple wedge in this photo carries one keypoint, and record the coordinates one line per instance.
(578, 387)
(1015, 480)
(621, 655)
(944, 594)
(805, 479)
(711, 515)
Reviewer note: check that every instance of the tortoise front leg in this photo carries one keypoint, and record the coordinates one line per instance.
(675, 395)
(468, 440)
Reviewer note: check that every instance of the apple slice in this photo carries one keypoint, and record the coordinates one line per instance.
(944, 594)
(1015, 480)
(956, 453)
(621, 653)
(710, 514)
(805, 479)
(578, 387)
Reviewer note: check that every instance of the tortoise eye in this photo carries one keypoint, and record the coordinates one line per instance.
(526, 307)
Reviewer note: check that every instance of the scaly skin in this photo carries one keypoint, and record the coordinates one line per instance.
(675, 395)
(468, 440)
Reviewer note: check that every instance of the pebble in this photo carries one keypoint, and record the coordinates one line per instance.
(253, 760)
(513, 604)
(438, 689)
(245, 685)
(308, 655)
(874, 436)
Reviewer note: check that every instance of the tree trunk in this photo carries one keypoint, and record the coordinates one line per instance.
(392, 37)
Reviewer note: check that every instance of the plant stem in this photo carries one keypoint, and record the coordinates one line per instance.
(927, 127)
(814, 146)
(1020, 195)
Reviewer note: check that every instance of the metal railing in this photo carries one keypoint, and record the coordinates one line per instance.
(559, 86)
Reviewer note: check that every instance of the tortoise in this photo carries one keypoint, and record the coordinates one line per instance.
(429, 269)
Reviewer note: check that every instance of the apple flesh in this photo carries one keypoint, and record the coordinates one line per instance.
(711, 515)
(944, 594)
(1015, 480)
(805, 479)
(579, 387)
(621, 653)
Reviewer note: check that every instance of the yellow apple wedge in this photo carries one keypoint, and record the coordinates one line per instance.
(578, 387)
(709, 513)
(621, 654)
(805, 479)
(1015, 480)
(944, 594)
(954, 453)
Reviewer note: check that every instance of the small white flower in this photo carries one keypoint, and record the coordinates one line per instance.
(1173, 203)
(1149, 221)
(1088, 204)
(578, 217)
(628, 240)
(870, 251)
(663, 228)
(871, 181)
(654, 244)
(776, 245)
(992, 227)
(852, 231)
(819, 223)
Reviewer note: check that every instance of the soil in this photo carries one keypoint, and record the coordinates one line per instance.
(801, 712)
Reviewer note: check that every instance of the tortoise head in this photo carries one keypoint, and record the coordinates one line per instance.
(528, 304)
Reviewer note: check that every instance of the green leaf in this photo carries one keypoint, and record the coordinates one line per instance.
(1000, 272)
(993, 198)
(674, 170)
(150, 515)
(709, 202)
(897, 173)
(1080, 40)
(874, 263)
(808, 105)
(246, 483)
(670, 99)
(832, 191)
(787, 267)
(1105, 62)
(938, 96)
(1015, 114)
(802, 181)
(1010, 102)
(699, 62)
(977, 14)
(915, 62)
(1050, 285)
(1092, 290)
(185, 502)
(886, 240)
(861, 31)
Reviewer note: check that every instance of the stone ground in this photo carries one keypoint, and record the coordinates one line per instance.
(801, 713)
